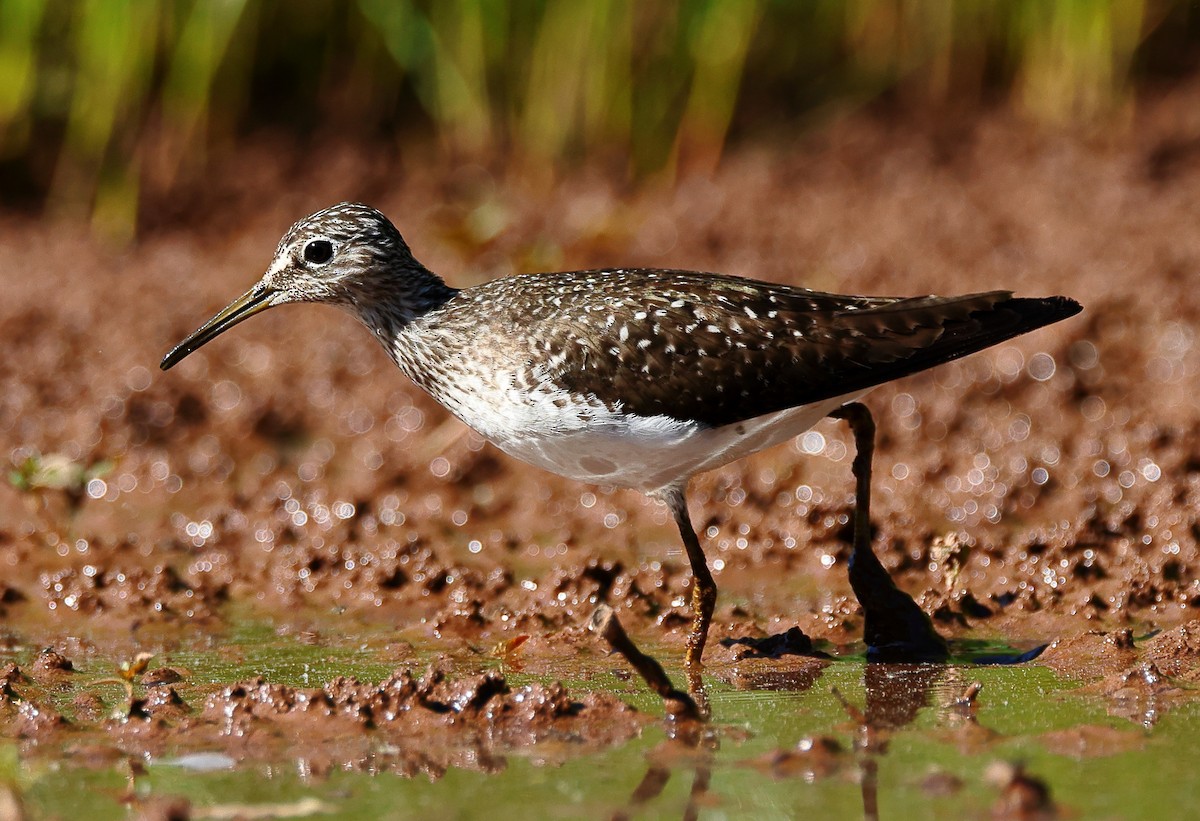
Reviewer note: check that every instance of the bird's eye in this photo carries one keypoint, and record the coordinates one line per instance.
(318, 252)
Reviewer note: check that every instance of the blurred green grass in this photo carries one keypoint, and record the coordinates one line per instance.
(101, 98)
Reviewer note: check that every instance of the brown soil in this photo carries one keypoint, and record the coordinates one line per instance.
(1037, 492)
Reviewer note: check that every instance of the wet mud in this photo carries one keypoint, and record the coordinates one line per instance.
(429, 721)
(1045, 492)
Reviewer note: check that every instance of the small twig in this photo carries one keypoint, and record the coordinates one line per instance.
(966, 702)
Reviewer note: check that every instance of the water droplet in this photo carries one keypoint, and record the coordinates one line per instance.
(1041, 366)
(812, 442)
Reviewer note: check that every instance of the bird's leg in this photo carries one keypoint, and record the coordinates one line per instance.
(704, 589)
(894, 627)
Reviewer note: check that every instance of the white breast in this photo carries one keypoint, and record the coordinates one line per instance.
(590, 443)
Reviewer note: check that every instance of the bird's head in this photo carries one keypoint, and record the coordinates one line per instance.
(349, 255)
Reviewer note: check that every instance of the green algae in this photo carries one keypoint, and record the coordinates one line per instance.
(931, 758)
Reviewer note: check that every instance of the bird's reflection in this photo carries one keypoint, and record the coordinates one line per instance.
(895, 694)
(689, 750)
(691, 741)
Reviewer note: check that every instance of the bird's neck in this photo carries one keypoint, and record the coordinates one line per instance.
(393, 304)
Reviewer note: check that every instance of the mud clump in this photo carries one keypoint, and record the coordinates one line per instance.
(160, 703)
(784, 661)
(1091, 654)
(1177, 652)
(9, 676)
(37, 721)
(154, 593)
(431, 713)
(431, 722)
(161, 675)
(50, 663)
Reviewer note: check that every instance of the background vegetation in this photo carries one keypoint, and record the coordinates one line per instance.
(100, 99)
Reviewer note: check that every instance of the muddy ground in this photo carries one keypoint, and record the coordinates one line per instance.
(1044, 491)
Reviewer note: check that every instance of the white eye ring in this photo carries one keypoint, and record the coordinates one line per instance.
(318, 251)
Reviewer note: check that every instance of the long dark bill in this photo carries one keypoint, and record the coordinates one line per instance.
(254, 301)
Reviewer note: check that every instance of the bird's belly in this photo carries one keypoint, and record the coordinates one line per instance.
(652, 453)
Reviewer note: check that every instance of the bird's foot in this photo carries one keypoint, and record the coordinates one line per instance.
(894, 627)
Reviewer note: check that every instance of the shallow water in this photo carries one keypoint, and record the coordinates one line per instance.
(926, 758)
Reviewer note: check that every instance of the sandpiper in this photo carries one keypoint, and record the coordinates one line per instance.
(642, 378)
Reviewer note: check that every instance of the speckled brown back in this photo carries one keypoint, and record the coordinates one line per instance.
(720, 349)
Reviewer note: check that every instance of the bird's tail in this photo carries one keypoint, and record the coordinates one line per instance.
(910, 335)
